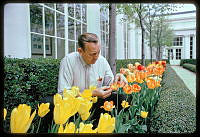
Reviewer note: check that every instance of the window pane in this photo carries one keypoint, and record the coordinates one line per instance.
(78, 29)
(71, 29)
(50, 47)
(60, 19)
(84, 13)
(61, 48)
(36, 18)
(84, 28)
(71, 10)
(49, 22)
(78, 11)
(71, 46)
(37, 45)
(60, 7)
(50, 5)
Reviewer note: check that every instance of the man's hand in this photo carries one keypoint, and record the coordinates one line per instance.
(120, 77)
(102, 92)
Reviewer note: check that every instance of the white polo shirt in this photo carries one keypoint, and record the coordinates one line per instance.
(75, 72)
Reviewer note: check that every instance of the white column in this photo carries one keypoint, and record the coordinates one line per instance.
(194, 47)
(119, 37)
(186, 47)
(17, 30)
(93, 19)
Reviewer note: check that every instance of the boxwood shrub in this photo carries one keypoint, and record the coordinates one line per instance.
(176, 108)
(27, 81)
(189, 61)
(190, 67)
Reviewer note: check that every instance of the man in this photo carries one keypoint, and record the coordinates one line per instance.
(87, 67)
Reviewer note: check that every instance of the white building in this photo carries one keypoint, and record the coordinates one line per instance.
(28, 28)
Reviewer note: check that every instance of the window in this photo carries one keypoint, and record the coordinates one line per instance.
(104, 28)
(178, 53)
(178, 41)
(47, 23)
(170, 54)
(191, 46)
(47, 29)
(77, 24)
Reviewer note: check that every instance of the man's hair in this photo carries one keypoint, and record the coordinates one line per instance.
(87, 37)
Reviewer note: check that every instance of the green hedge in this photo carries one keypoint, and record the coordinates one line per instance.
(27, 81)
(189, 61)
(190, 67)
(122, 63)
(176, 108)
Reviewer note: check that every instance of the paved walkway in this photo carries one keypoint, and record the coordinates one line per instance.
(188, 77)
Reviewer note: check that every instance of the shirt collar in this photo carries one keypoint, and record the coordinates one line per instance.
(83, 62)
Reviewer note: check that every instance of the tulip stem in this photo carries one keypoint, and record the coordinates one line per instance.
(38, 125)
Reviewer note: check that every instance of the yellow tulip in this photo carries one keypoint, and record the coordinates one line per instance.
(76, 90)
(87, 94)
(85, 116)
(65, 108)
(125, 104)
(60, 115)
(61, 130)
(106, 124)
(57, 98)
(143, 114)
(84, 108)
(21, 119)
(86, 128)
(92, 88)
(94, 99)
(69, 128)
(43, 109)
(4, 113)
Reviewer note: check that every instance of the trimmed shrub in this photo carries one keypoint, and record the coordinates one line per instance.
(176, 108)
(189, 61)
(27, 81)
(190, 67)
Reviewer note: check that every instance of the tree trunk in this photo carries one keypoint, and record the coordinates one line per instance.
(150, 45)
(142, 28)
(143, 55)
(112, 29)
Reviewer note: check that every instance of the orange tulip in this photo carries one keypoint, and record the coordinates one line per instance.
(158, 71)
(131, 78)
(136, 88)
(151, 83)
(108, 106)
(127, 89)
(138, 77)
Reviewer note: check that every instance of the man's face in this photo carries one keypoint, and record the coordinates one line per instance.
(90, 53)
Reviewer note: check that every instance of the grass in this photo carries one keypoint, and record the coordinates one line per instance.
(176, 109)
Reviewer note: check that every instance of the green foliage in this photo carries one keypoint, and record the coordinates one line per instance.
(190, 67)
(176, 108)
(189, 61)
(27, 81)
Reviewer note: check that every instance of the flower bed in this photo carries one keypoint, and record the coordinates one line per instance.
(142, 94)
